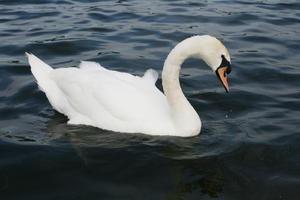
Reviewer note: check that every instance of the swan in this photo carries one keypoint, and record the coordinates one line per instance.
(93, 95)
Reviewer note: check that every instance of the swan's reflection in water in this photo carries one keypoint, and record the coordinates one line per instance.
(194, 176)
(183, 171)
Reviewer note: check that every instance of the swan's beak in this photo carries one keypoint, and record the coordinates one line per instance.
(222, 74)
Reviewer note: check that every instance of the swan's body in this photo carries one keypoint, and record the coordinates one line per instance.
(121, 102)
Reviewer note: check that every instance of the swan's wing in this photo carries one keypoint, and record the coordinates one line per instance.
(90, 66)
(151, 75)
(110, 95)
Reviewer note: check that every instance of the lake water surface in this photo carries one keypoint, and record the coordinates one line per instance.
(249, 146)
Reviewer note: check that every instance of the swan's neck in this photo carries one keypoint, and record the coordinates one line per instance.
(185, 117)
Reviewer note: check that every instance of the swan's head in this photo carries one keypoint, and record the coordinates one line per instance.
(215, 55)
(206, 47)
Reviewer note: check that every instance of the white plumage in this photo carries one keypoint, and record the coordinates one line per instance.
(117, 101)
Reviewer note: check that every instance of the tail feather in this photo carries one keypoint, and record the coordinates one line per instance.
(40, 70)
(42, 73)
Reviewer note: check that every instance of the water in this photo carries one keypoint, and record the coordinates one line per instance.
(249, 146)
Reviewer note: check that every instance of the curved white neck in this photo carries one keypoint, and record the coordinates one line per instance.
(185, 117)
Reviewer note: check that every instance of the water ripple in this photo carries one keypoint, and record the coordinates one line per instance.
(249, 143)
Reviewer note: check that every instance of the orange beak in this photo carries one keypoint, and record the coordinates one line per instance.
(222, 74)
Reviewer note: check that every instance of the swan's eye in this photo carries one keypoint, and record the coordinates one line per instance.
(225, 63)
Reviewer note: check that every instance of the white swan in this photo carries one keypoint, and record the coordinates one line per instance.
(121, 102)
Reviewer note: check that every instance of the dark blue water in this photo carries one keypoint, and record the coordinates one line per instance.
(249, 146)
